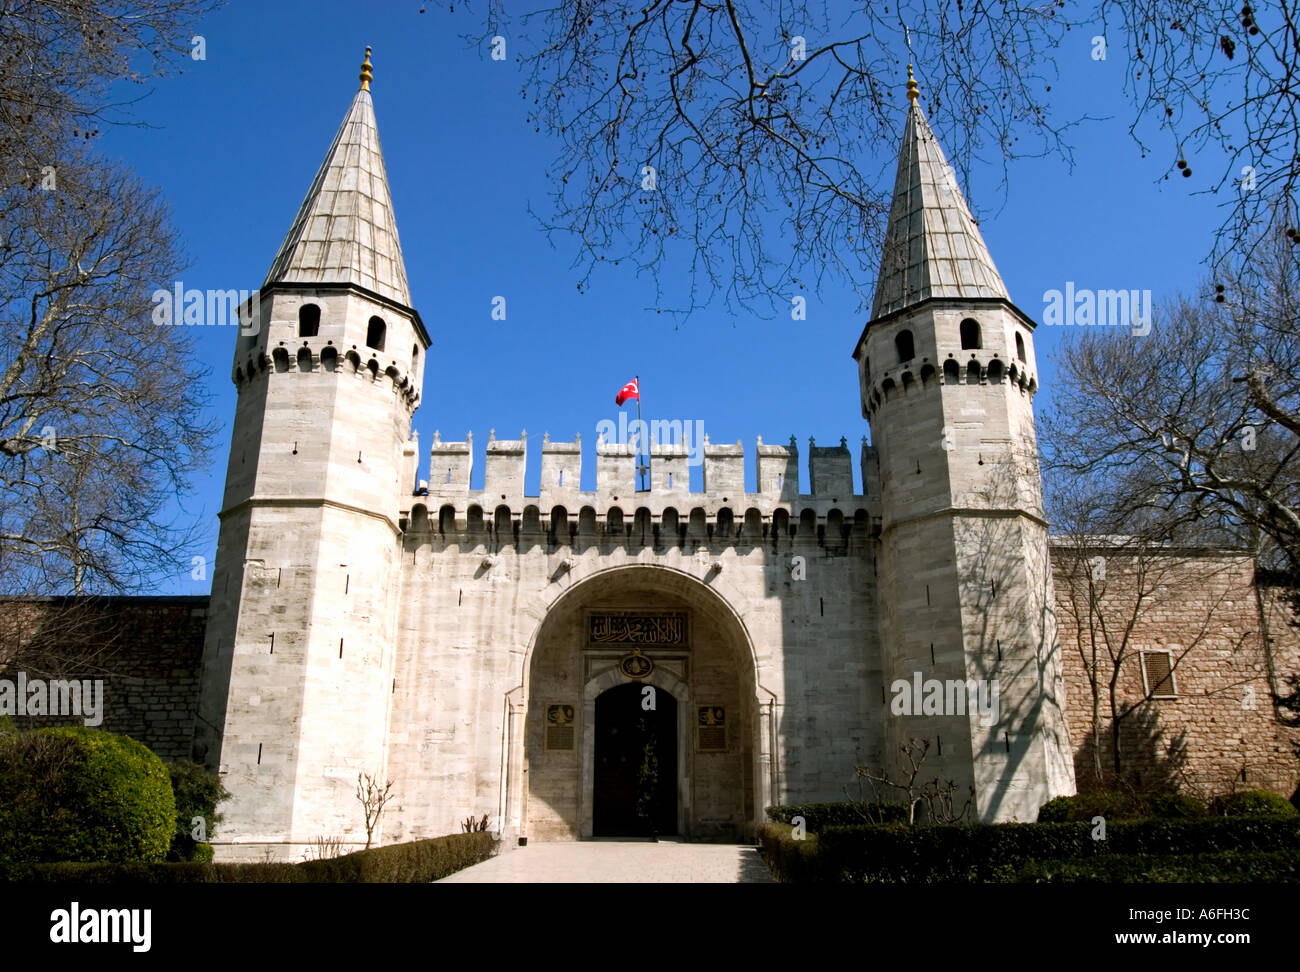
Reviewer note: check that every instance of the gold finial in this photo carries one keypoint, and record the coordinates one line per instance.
(366, 73)
(912, 92)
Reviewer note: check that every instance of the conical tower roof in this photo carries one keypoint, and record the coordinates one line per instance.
(345, 230)
(933, 246)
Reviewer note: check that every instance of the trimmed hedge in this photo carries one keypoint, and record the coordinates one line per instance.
(80, 794)
(1223, 867)
(1121, 806)
(416, 862)
(1253, 803)
(790, 861)
(997, 853)
(413, 863)
(818, 816)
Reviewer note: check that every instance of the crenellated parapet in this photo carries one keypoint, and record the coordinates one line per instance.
(445, 505)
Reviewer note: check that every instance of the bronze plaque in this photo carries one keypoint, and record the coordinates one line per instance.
(637, 629)
(559, 738)
(559, 727)
(711, 733)
(712, 739)
(712, 715)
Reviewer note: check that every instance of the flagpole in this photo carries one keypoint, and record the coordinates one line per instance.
(642, 470)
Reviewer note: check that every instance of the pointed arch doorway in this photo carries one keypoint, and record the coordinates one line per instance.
(710, 739)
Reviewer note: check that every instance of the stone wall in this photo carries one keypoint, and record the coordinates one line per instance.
(1229, 643)
(145, 649)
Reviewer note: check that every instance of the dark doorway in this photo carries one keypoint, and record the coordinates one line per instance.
(636, 764)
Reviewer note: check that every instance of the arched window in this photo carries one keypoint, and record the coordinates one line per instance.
(1020, 347)
(970, 334)
(308, 320)
(951, 372)
(973, 373)
(415, 357)
(995, 372)
(375, 334)
(903, 342)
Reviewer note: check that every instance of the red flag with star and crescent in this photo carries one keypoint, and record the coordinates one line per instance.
(630, 390)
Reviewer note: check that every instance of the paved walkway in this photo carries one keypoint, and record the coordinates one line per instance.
(619, 862)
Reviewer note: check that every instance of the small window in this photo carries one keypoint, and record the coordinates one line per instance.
(1020, 347)
(1158, 675)
(415, 358)
(973, 373)
(951, 372)
(375, 334)
(308, 320)
(906, 350)
(970, 335)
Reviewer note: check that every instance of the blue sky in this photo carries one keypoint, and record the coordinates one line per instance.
(234, 141)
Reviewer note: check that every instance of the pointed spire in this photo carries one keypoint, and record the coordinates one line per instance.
(933, 246)
(345, 230)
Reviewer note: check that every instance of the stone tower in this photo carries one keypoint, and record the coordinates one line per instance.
(947, 373)
(298, 658)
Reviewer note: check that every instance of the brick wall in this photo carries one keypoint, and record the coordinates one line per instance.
(145, 649)
(1219, 731)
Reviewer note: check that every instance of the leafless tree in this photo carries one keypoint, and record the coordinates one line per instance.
(936, 795)
(771, 125)
(60, 61)
(100, 409)
(374, 797)
(1192, 432)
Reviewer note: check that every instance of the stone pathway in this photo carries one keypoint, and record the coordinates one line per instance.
(619, 862)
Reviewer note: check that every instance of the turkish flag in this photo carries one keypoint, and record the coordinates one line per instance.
(630, 390)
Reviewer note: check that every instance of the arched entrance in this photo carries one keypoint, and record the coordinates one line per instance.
(614, 644)
(634, 792)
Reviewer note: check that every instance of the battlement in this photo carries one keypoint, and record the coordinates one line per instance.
(449, 502)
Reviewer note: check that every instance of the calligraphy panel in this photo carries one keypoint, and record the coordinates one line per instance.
(641, 629)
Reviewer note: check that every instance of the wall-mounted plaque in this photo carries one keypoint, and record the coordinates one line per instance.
(637, 629)
(636, 665)
(559, 727)
(711, 730)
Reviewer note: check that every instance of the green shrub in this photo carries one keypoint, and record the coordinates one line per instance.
(202, 853)
(848, 813)
(1121, 806)
(1253, 803)
(1222, 867)
(790, 861)
(982, 852)
(417, 862)
(169, 872)
(197, 791)
(79, 794)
